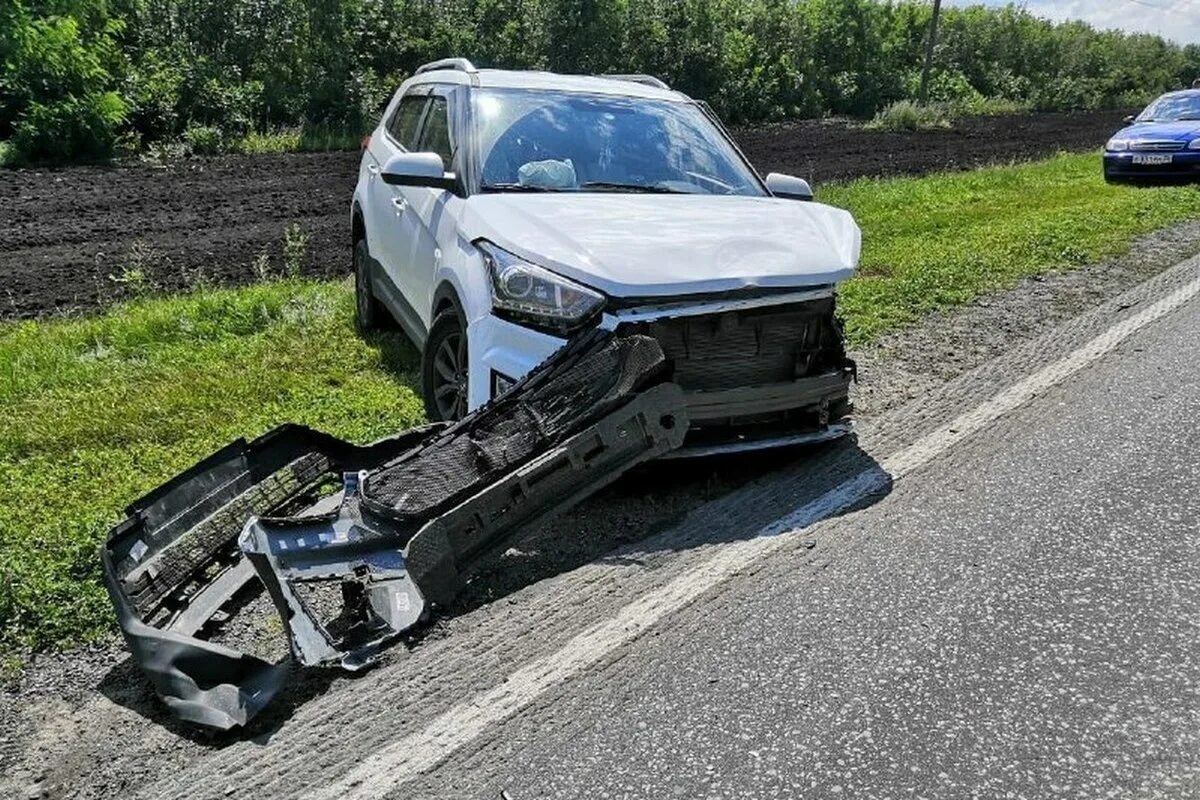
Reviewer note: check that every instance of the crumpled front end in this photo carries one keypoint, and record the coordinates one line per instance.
(758, 373)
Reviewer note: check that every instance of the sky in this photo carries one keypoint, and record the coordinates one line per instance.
(1173, 19)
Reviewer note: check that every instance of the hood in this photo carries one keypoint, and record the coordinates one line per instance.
(1182, 131)
(634, 245)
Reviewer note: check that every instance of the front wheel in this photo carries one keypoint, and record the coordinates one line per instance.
(369, 313)
(444, 372)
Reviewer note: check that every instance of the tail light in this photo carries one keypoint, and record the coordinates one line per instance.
(366, 141)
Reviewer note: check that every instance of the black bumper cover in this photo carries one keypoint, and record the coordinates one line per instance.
(416, 513)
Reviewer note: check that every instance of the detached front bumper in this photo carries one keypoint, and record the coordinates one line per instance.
(416, 514)
(1178, 165)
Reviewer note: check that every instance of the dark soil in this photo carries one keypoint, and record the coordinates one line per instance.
(75, 238)
(826, 150)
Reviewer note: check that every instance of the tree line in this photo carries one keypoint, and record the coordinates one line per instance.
(83, 78)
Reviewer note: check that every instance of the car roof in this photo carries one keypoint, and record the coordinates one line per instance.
(1182, 93)
(523, 79)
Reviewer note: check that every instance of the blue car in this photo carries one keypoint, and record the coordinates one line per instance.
(1163, 142)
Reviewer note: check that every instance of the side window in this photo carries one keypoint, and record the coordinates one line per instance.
(435, 137)
(403, 124)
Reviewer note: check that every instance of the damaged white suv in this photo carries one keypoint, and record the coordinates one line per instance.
(499, 212)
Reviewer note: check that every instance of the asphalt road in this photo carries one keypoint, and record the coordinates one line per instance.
(993, 594)
(1017, 618)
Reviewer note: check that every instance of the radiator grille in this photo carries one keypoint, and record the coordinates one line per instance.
(752, 347)
(1162, 146)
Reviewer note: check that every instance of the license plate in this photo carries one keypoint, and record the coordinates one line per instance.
(1152, 158)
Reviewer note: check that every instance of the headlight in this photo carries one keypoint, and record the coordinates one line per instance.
(531, 294)
(1195, 145)
(1116, 145)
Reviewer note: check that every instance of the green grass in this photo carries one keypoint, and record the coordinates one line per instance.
(942, 240)
(6, 153)
(96, 411)
(297, 140)
(907, 115)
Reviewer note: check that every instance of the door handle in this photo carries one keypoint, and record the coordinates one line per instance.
(373, 169)
(400, 204)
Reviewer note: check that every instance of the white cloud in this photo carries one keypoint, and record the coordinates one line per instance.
(1178, 20)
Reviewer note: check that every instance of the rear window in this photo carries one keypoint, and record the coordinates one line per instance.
(403, 124)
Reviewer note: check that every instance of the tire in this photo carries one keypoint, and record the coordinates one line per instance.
(444, 372)
(369, 313)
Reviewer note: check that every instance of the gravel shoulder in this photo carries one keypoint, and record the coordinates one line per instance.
(84, 724)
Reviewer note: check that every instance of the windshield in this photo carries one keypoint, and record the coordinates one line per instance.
(569, 142)
(1172, 108)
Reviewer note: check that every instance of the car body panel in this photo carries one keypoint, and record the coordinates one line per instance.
(506, 348)
(1182, 165)
(646, 245)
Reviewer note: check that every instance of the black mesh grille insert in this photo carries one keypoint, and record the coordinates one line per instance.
(588, 378)
(752, 347)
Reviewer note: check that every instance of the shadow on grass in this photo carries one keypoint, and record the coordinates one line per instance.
(398, 356)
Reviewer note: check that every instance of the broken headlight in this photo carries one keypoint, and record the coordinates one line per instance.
(536, 296)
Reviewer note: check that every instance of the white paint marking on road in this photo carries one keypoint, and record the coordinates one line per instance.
(420, 752)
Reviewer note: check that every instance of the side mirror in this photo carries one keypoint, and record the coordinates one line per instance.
(1129, 119)
(418, 169)
(789, 187)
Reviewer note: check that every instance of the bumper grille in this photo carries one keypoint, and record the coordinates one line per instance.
(1156, 146)
(752, 347)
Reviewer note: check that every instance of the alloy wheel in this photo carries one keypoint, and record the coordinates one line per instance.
(450, 376)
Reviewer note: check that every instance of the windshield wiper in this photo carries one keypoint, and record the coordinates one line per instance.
(517, 187)
(615, 186)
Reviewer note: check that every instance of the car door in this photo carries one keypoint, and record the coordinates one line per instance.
(429, 207)
(391, 231)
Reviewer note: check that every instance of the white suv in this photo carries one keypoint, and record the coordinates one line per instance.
(499, 212)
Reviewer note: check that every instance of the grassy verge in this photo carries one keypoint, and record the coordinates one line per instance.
(96, 411)
(909, 115)
(301, 140)
(942, 240)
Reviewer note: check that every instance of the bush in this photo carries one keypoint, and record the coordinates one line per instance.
(991, 107)
(203, 140)
(153, 89)
(239, 66)
(72, 128)
(906, 115)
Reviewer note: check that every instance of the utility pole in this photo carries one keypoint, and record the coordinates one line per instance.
(923, 96)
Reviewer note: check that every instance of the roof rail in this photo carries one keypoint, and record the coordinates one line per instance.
(460, 64)
(646, 80)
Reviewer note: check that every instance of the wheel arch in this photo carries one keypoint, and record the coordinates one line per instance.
(445, 297)
(358, 226)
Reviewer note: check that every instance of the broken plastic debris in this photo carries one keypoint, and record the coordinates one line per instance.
(415, 514)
